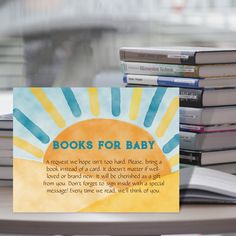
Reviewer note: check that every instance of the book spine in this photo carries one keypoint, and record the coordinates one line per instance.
(168, 57)
(188, 141)
(6, 172)
(4, 161)
(192, 128)
(6, 183)
(6, 143)
(6, 153)
(191, 158)
(6, 125)
(141, 80)
(162, 81)
(178, 82)
(191, 98)
(191, 116)
(159, 69)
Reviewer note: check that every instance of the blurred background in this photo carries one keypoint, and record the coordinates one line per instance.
(76, 42)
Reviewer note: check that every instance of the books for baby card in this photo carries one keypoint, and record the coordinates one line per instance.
(96, 150)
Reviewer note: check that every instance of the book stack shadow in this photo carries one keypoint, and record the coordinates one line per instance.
(207, 81)
(6, 152)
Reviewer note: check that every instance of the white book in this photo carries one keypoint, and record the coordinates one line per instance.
(200, 185)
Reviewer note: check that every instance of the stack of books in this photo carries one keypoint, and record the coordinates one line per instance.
(207, 81)
(6, 130)
(12, 63)
(6, 153)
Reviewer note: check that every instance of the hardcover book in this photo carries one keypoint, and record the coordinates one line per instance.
(5, 172)
(179, 55)
(182, 82)
(208, 141)
(208, 115)
(207, 97)
(189, 97)
(6, 122)
(96, 150)
(208, 128)
(6, 183)
(207, 158)
(199, 71)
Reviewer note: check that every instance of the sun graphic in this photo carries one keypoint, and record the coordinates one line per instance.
(76, 117)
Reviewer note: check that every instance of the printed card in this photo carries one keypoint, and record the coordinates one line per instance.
(96, 150)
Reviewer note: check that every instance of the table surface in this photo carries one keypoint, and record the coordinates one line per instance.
(207, 219)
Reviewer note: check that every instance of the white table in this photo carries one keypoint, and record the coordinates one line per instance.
(207, 219)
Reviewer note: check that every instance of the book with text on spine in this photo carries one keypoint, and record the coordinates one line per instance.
(197, 71)
(179, 55)
(182, 82)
